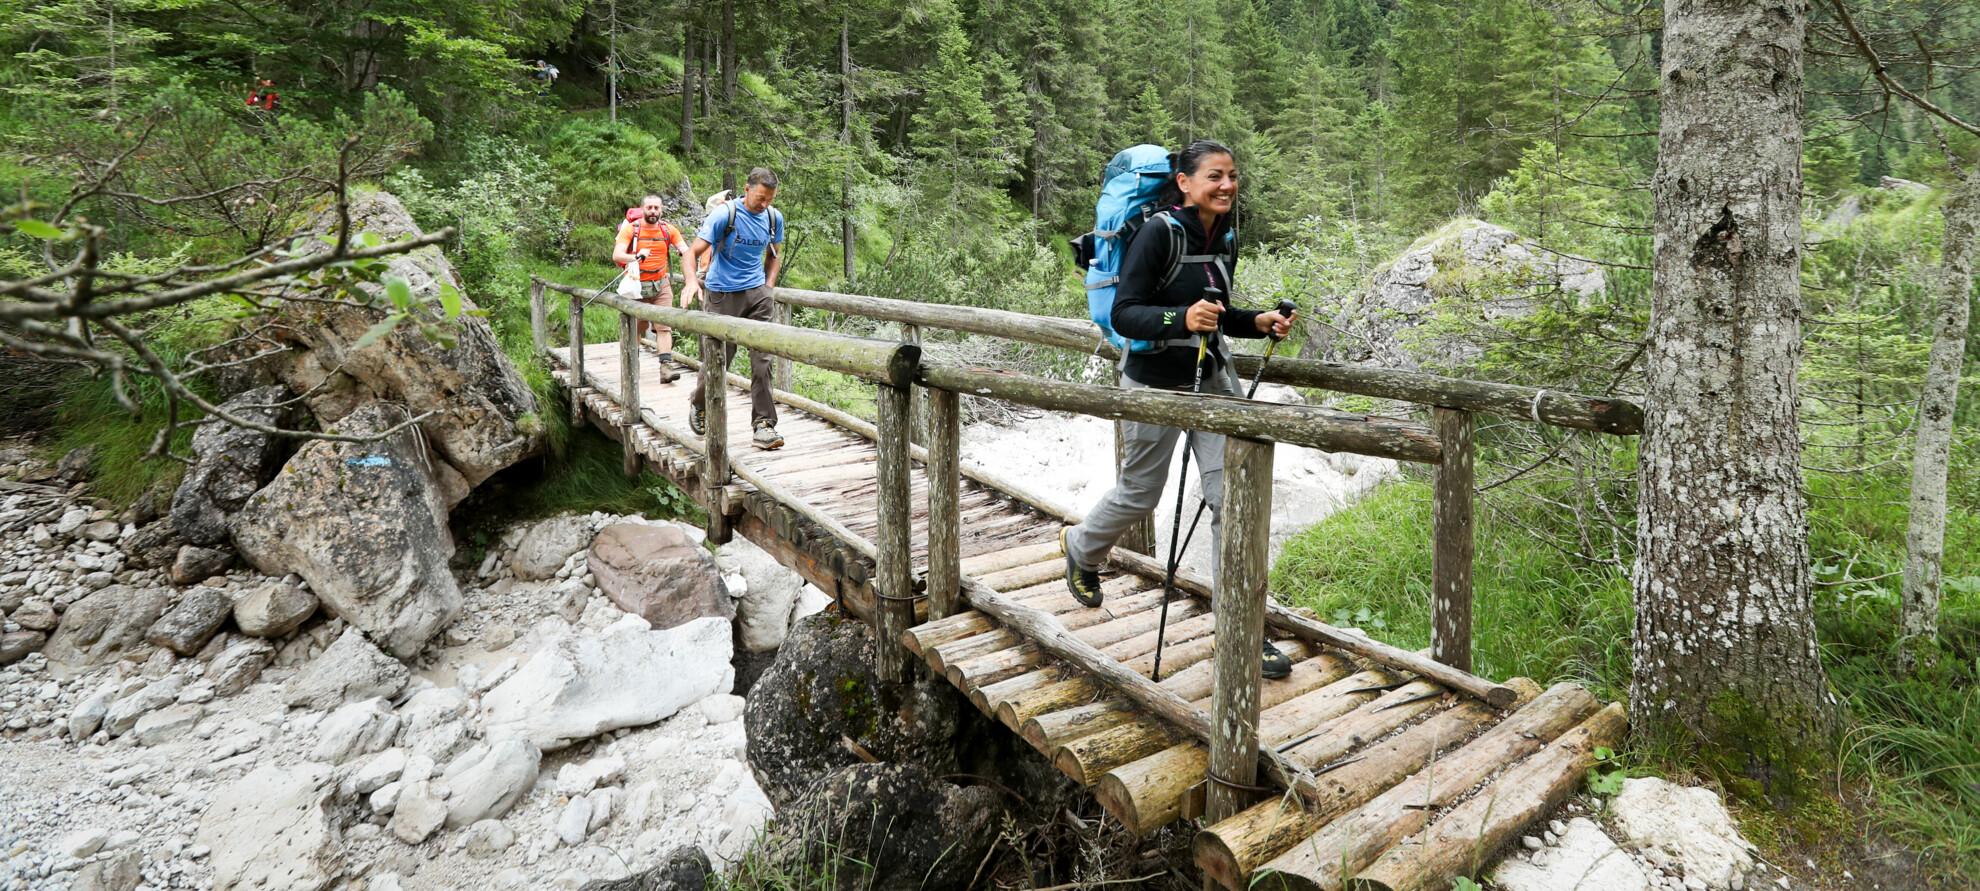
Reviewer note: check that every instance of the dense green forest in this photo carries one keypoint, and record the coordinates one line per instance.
(959, 143)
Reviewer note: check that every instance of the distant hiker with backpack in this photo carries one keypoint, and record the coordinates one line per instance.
(741, 235)
(1159, 280)
(644, 240)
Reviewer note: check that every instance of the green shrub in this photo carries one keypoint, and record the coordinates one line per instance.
(601, 169)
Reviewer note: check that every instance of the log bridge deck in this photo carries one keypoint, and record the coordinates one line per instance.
(1368, 768)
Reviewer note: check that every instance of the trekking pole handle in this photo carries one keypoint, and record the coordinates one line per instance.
(1286, 308)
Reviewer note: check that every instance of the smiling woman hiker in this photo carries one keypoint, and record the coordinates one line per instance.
(1172, 303)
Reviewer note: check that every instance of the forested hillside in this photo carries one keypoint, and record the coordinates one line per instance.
(945, 150)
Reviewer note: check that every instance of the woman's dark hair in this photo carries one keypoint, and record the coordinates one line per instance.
(1188, 161)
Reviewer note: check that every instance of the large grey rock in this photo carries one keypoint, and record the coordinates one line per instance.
(36, 615)
(915, 829)
(16, 645)
(167, 724)
(820, 690)
(195, 564)
(686, 868)
(580, 685)
(154, 546)
(767, 597)
(118, 872)
(485, 413)
(1480, 272)
(230, 463)
(187, 627)
(239, 665)
(490, 785)
(272, 829)
(1688, 823)
(366, 525)
(351, 669)
(358, 728)
(125, 712)
(418, 813)
(656, 573)
(1585, 858)
(106, 626)
(273, 610)
(546, 546)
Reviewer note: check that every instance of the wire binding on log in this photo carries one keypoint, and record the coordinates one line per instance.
(908, 599)
(1241, 787)
(1536, 406)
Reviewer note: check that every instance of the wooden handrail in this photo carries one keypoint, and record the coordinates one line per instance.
(1603, 414)
(880, 361)
(1317, 428)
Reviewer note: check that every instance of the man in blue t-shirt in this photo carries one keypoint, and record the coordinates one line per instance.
(743, 234)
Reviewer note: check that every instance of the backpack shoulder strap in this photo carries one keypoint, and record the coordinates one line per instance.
(728, 226)
(1178, 242)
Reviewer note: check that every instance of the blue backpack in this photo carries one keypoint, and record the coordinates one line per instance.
(1128, 191)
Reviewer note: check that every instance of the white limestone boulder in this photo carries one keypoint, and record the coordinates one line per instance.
(272, 830)
(581, 685)
(1688, 823)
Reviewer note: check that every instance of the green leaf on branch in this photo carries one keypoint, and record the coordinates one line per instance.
(400, 293)
(37, 229)
(385, 326)
(450, 300)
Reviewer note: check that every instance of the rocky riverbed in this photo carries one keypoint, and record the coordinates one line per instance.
(163, 731)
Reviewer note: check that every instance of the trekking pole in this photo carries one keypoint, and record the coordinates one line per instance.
(609, 286)
(1182, 487)
(1285, 306)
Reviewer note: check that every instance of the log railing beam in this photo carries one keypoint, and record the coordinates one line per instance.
(539, 321)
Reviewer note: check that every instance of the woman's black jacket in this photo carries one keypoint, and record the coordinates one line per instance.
(1145, 310)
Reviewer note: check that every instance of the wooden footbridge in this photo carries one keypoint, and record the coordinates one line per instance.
(1369, 767)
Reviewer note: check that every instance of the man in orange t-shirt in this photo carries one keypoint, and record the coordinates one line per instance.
(645, 241)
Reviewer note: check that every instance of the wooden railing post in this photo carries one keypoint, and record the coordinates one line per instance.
(1239, 626)
(1450, 572)
(944, 470)
(918, 420)
(577, 358)
(629, 393)
(715, 443)
(539, 320)
(780, 374)
(893, 582)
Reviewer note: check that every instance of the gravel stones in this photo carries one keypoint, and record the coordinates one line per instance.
(273, 610)
(187, 627)
(351, 669)
(1585, 857)
(359, 728)
(656, 573)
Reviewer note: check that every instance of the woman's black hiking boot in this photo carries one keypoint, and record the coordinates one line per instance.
(1276, 664)
(1083, 583)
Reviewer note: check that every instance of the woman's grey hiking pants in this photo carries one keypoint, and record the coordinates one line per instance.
(1144, 471)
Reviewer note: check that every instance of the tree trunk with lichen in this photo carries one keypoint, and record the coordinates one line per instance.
(1724, 643)
(1925, 537)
